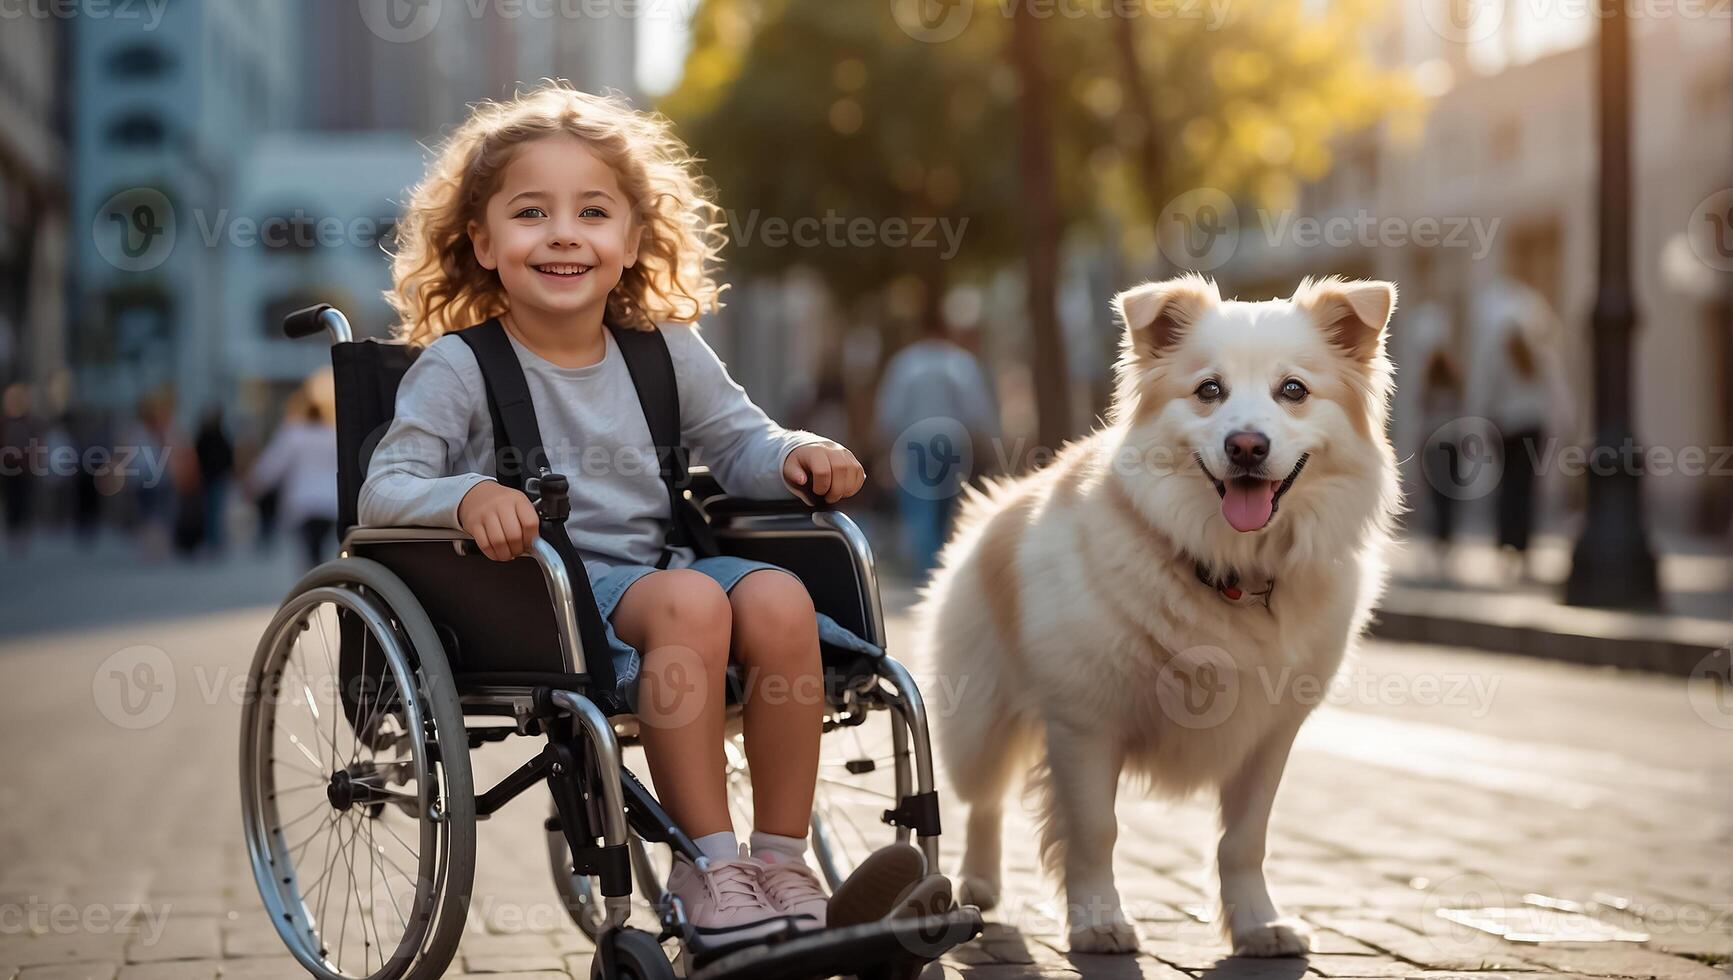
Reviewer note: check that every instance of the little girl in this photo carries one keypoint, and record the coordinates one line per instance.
(553, 212)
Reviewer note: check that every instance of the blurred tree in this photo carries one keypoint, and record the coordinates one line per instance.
(1034, 121)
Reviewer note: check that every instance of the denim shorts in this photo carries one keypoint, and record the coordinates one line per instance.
(727, 570)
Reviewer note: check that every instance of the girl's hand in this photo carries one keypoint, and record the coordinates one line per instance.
(826, 469)
(502, 521)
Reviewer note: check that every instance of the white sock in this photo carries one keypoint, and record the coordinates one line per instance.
(784, 850)
(720, 846)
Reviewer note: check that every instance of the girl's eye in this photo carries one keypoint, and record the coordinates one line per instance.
(593, 212)
(1210, 391)
(1294, 390)
(531, 213)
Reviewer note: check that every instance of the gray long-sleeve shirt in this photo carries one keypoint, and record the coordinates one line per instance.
(440, 444)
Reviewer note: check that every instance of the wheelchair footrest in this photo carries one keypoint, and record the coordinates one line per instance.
(864, 949)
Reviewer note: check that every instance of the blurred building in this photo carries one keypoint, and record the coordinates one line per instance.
(243, 156)
(32, 203)
(367, 71)
(162, 113)
(326, 205)
(1511, 138)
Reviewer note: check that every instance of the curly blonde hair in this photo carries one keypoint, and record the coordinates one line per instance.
(437, 284)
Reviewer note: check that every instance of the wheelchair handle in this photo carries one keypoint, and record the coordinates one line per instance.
(310, 320)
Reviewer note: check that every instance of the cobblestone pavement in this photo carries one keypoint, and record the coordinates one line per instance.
(1433, 779)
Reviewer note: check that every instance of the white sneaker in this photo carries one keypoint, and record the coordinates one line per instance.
(793, 889)
(725, 897)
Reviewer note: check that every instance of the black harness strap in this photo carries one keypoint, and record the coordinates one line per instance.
(652, 370)
(514, 428)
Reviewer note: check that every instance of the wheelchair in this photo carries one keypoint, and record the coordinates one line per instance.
(386, 667)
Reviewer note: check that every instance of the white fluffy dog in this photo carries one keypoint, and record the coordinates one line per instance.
(1173, 592)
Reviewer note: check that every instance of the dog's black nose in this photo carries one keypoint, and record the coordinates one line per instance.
(1246, 448)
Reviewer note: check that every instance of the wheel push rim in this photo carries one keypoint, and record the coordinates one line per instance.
(342, 805)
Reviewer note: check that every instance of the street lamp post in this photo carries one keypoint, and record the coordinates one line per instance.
(1613, 565)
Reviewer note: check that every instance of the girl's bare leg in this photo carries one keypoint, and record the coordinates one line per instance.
(681, 621)
(775, 636)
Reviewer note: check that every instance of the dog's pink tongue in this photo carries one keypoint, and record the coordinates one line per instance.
(1248, 503)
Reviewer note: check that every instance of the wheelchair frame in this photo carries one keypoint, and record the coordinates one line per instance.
(596, 797)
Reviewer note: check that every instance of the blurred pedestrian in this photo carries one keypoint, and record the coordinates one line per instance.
(300, 462)
(1517, 382)
(216, 456)
(90, 435)
(146, 443)
(933, 392)
(18, 477)
(1441, 405)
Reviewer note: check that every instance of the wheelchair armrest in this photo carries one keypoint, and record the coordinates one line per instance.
(718, 505)
(724, 507)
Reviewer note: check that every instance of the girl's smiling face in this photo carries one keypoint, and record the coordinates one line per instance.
(559, 230)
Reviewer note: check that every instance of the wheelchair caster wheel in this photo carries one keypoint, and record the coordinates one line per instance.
(637, 956)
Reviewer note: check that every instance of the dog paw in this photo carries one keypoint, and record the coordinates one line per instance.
(979, 892)
(1108, 937)
(1280, 938)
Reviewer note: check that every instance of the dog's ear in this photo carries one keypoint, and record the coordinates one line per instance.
(1352, 314)
(1157, 314)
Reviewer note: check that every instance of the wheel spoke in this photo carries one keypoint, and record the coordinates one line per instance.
(295, 740)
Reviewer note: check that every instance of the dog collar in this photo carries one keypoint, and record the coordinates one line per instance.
(1234, 591)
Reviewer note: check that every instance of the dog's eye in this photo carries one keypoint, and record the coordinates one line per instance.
(1294, 390)
(1210, 391)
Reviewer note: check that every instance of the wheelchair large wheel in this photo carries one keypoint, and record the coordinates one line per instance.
(355, 782)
